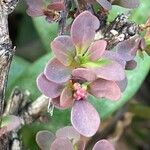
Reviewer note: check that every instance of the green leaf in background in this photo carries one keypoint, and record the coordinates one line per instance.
(47, 31)
(18, 67)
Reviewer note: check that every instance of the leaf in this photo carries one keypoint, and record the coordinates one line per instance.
(103, 145)
(44, 139)
(48, 88)
(103, 88)
(105, 4)
(47, 31)
(17, 68)
(127, 3)
(61, 144)
(140, 110)
(85, 118)
(68, 132)
(28, 78)
(9, 123)
(56, 72)
(83, 31)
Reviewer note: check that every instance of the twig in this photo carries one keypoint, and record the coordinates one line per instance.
(20, 105)
(63, 17)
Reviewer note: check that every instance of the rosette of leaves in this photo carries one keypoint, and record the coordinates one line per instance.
(67, 138)
(80, 69)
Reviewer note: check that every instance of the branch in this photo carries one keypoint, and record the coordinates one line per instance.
(6, 49)
(6, 54)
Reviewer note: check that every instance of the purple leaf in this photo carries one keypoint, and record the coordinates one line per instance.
(44, 139)
(68, 132)
(96, 50)
(114, 56)
(112, 71)
(56, 103)
(130, 65)
(127, 3)
(125, 48)
(63, 49)
(81, 145)
(35, 8)
(83, 31)
(56, 6)
(103, 145)
(85, 118)
(61, 144)
(84, 73)
(48, 88)
(105, 89)
(105, 4)
(122, 84)
(57, 72)
(9, 123)
(66, 98)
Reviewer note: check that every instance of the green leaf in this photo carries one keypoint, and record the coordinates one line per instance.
(17, 68)
(140, 110)
(47, 31)
(28, 79)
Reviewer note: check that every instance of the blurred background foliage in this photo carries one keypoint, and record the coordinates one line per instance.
(32, 38)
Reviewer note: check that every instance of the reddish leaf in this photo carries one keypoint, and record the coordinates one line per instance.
(56, 6)
(114, 56)
(127, 3)
(68, 132)
(130, 65)
(44, 139)
(83, 31)
(122, 84)
(96, 50)
(84, 73)
(66, 98)
(105, 4)
(57, 72)
(112, 71)
(35, 8)
(48, 88)
(63, 49)
(103, 145)
(62, 144)
(85, 118)
(105, 89)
